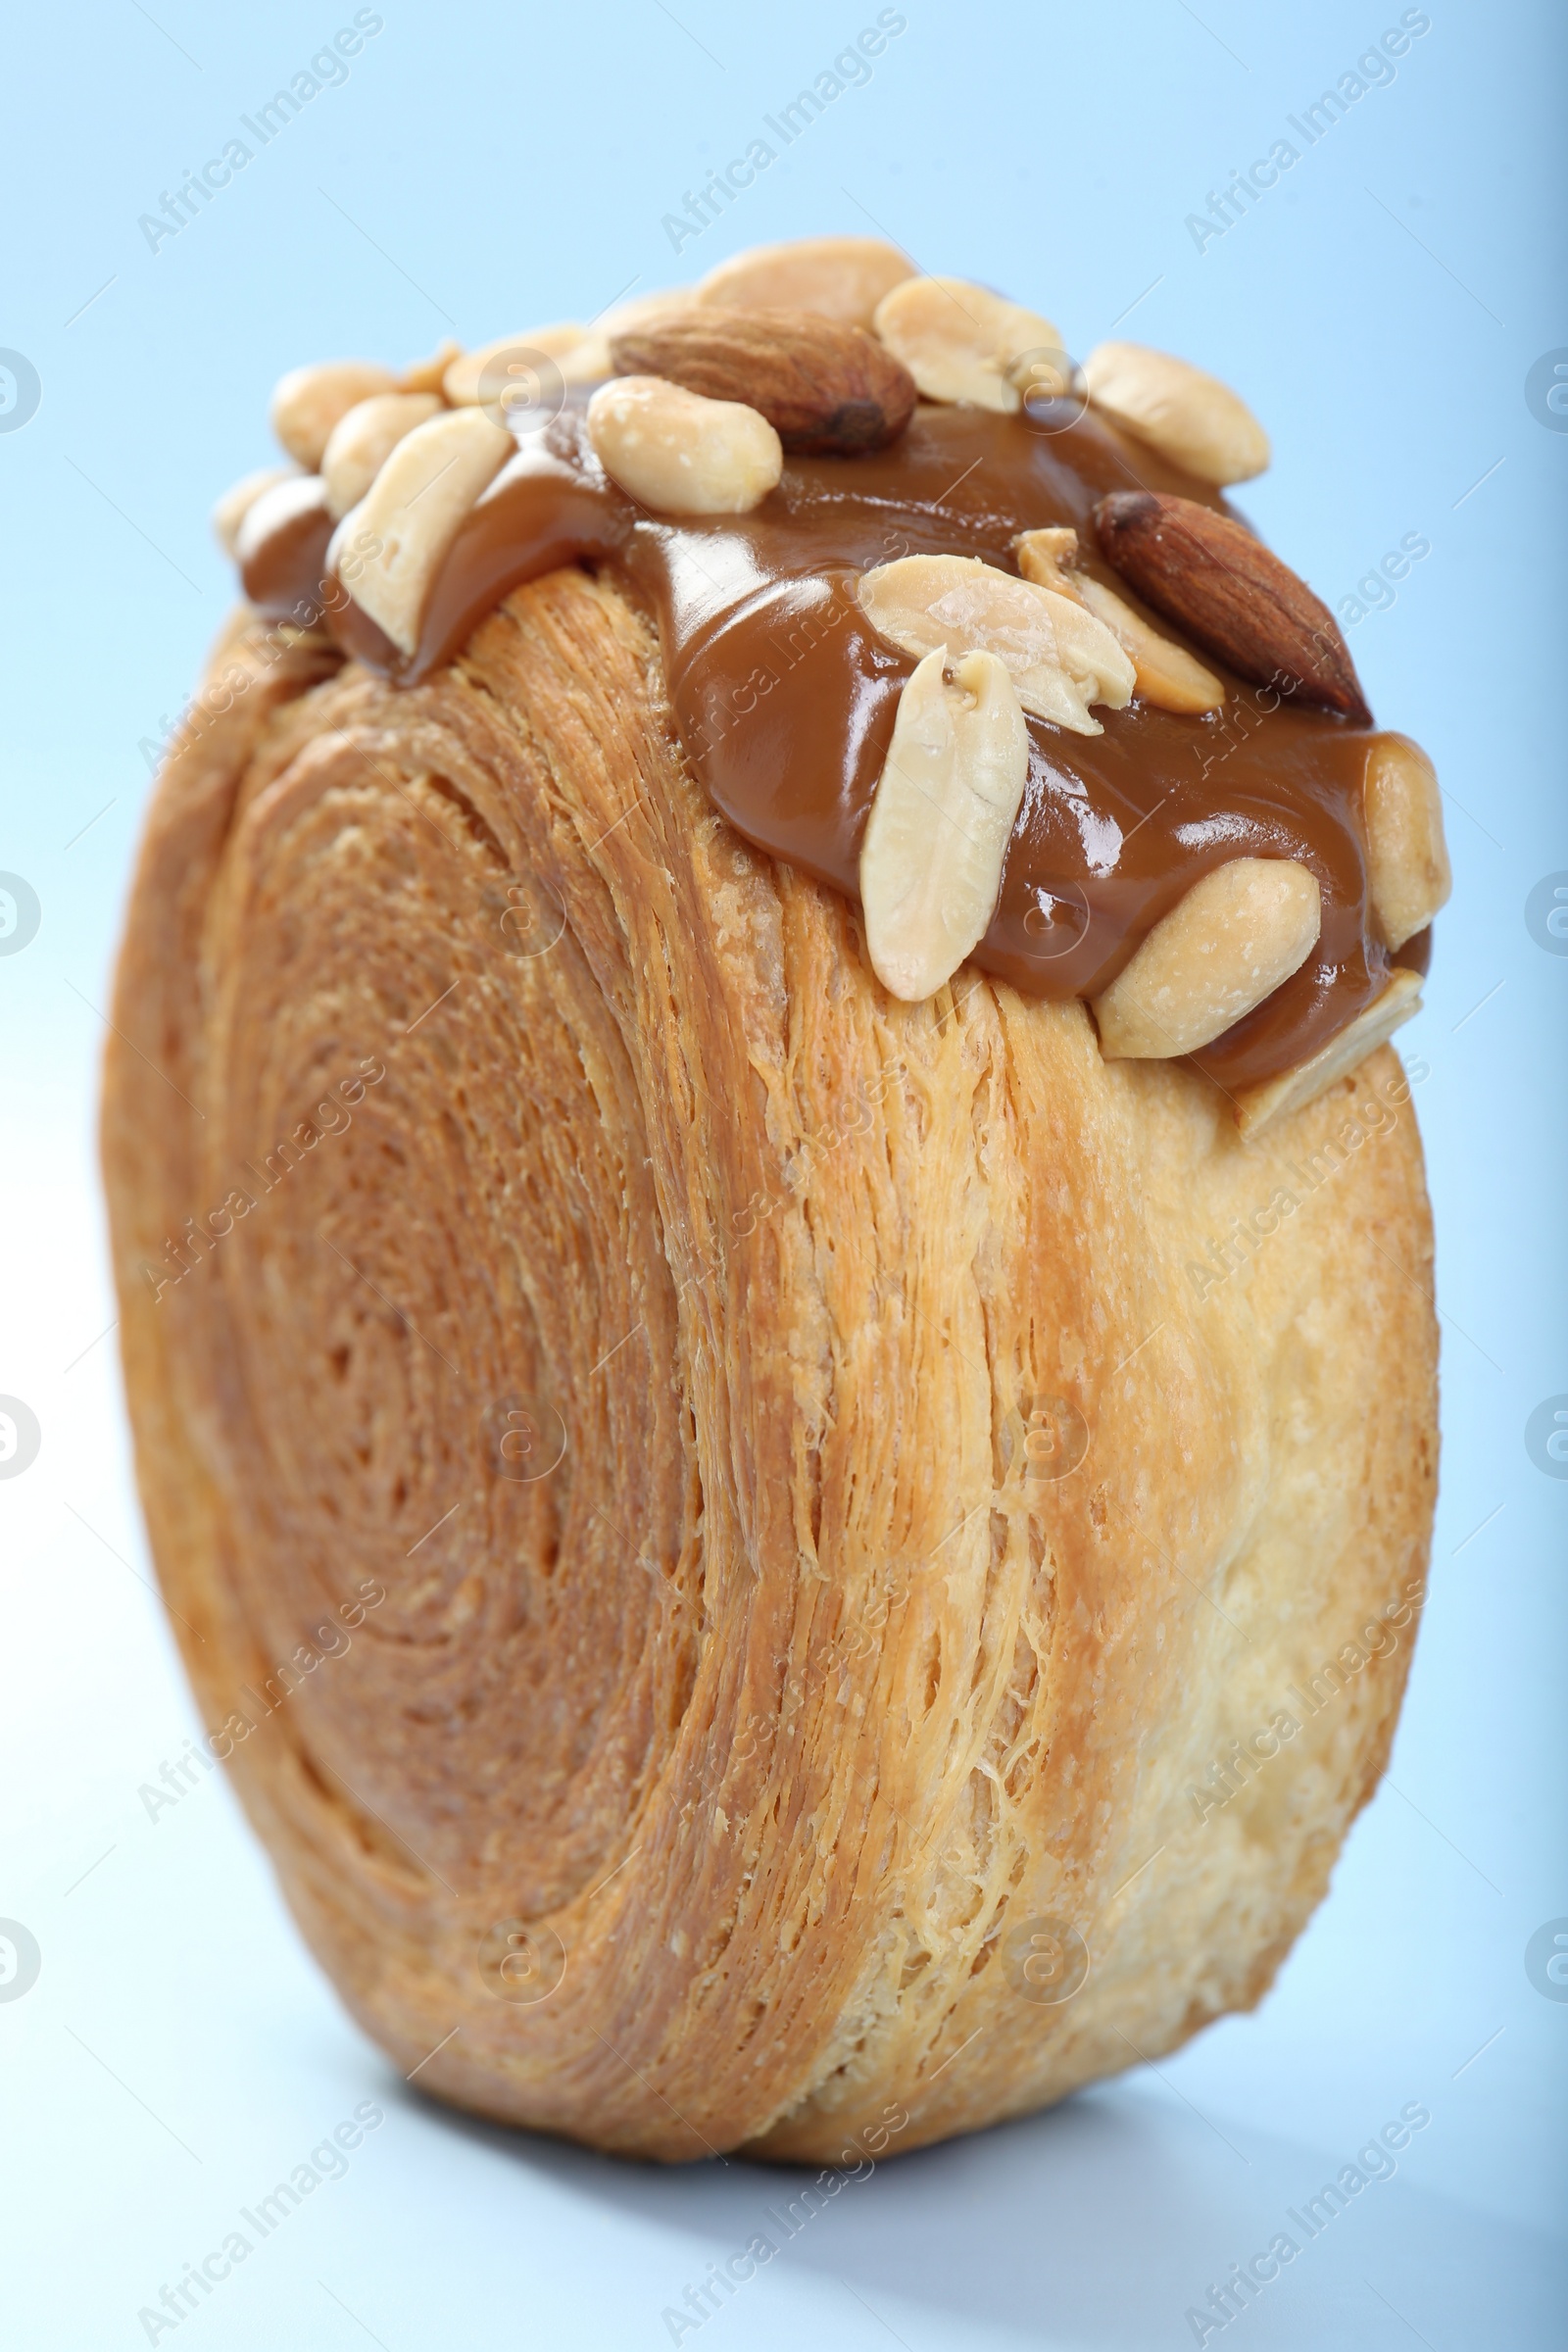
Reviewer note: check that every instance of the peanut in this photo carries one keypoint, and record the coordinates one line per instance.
(840, 277)
(1222, 948)
(1167, 675)
(237, 502)
(1406, 856)
(1060, 658)
(937, 836)
(309, 401)
(426, 375)
(1192, 418)
(1276, 1097)
(678, 453)
(413, 510)
(962, 343)
(361, 442)
(574, 351)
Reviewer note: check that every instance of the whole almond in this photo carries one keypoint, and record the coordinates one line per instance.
(1210, 576)
(824, 387)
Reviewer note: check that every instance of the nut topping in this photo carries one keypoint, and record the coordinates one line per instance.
(1050, 557)
(1168, 675)
(825, 388)
(937, 836)
(1406, 856)
(290, 509)
(645, 310)
(1276, 1097)
(309, 401)
(589, 361)
(962, 343)
(838, 277)
(361, 442)
(1221, 949)
(1214, 579)
(1060, 657)
(237, 502)
(577, 353)
(680, 454)
(1192, 418)
(428, 376)
(682, 403)
(411, 514)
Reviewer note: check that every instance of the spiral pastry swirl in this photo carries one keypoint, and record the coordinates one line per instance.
(749, 1545)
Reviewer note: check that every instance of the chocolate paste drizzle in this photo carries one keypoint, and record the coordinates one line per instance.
(785, 698)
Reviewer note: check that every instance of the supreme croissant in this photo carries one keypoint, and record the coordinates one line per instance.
(751, 1073)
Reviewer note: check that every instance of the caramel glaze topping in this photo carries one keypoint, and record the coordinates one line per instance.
(785, 698)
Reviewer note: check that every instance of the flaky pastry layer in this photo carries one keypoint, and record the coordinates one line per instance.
(967, 1445)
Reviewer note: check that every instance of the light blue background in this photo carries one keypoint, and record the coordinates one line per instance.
(483, 171)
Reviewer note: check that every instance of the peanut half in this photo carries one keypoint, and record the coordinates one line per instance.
(237, 502)
(307, 401)
(679, 453)
(1192, 418)
(1168, 676)
(1060, 657)
(1406, 855)
(578, 353)
(1222, 948)
(413, 509)
(1050, 557)
(839, 277)
(937, 836)
(361, 442)
(428, 376)
(962, 343)
(1276, 1097)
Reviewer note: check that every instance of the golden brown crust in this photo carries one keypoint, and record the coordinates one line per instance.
(789, 1695)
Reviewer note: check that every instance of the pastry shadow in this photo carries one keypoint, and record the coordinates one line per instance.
(1092, 2227)
(1070, 2225)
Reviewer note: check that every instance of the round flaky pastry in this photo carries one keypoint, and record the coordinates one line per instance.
(775, 1568)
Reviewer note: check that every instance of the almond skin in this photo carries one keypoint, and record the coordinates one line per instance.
(826, 389)
(1223, 586)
